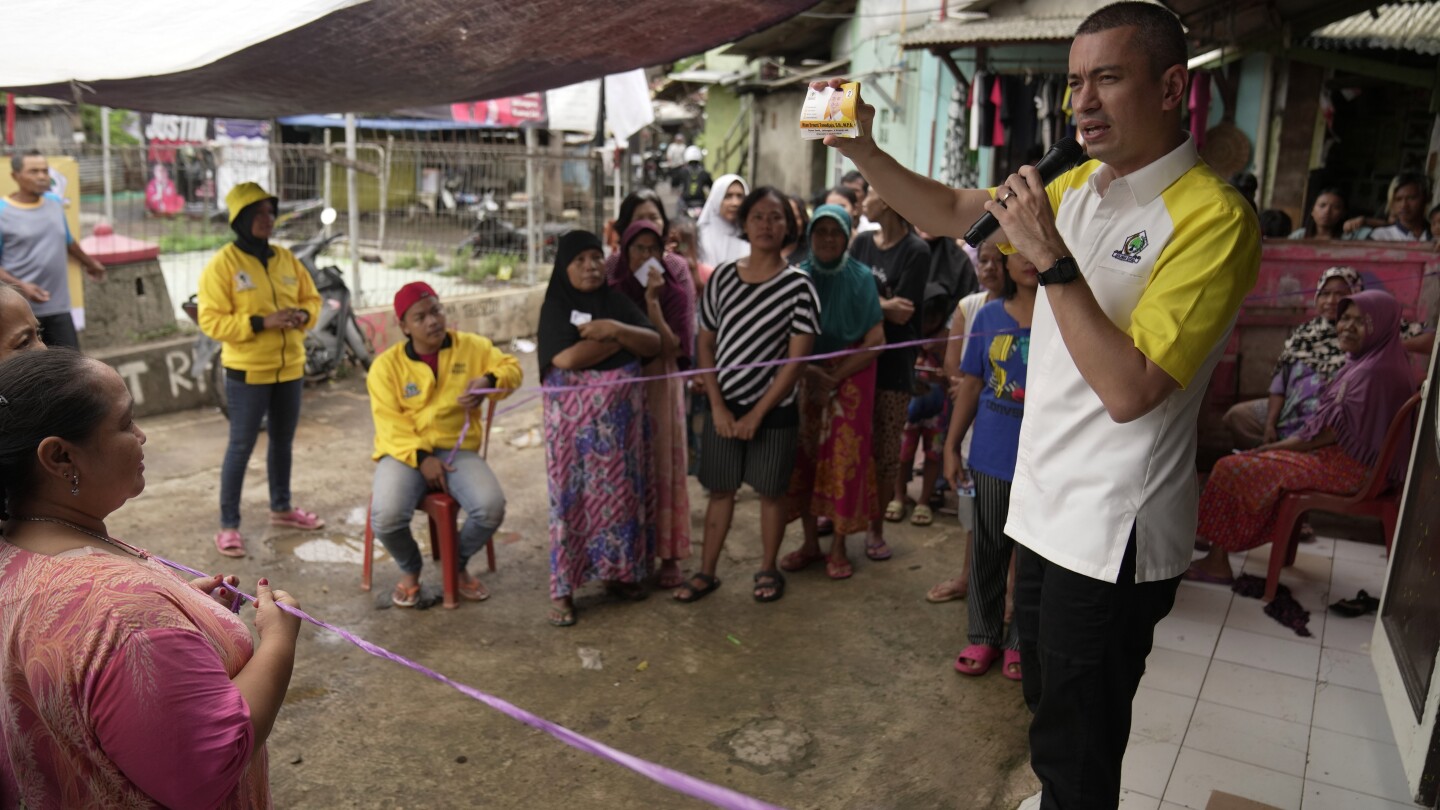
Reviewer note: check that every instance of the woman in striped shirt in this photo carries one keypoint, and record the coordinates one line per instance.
(754, 310)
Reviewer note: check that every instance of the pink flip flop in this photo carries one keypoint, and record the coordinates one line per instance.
(981, 656)
(230, 543)
(297, 519)
(1011, 665)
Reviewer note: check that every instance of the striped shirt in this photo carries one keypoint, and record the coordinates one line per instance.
(753, 323)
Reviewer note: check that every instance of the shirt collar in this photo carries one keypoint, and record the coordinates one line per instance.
(1147, 183)
(413, 355)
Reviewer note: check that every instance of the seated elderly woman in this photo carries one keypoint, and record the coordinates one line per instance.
(1332, 452)
(1310, 359)
(19, 329)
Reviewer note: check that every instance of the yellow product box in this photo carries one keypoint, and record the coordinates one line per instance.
(830, 111)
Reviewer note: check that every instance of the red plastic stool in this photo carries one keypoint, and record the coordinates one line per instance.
(444, 513)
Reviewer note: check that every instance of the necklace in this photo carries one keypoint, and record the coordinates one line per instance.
(117, 543)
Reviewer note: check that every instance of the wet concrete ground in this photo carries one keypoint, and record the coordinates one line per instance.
(841, 695)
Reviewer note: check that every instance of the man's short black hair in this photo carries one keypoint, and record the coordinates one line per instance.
(853, 176)
(1157, 31)
(17, 160)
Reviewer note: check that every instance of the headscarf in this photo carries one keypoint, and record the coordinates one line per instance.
(720, 241)
(1314, 342)
(556, 332)
(1362, 400)
(245, 238)
(849, 304)
(677, 297)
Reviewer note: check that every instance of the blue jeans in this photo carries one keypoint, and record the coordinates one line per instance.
(399, 488)
(248, 406)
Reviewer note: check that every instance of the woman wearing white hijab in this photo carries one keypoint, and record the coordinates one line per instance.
(719, 226)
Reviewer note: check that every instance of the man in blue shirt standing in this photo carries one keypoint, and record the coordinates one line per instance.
(34, 243)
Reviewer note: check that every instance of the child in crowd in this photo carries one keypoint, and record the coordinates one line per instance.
(924, 425)
(992, 397)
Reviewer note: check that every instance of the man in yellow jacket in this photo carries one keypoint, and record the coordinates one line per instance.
(257, 299)
(420, 400)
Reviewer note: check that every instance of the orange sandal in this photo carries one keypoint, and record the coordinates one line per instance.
(405, 596)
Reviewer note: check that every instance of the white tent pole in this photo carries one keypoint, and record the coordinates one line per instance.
(327, 199)
(352, 202)
(532, 142)
(105, 164)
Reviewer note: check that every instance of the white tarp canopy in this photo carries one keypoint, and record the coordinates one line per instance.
(270, 58)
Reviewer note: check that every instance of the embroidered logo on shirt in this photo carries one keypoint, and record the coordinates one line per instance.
(289, 281)
(243, 282)
(458, 368)
(411, 390)
(1130, 251)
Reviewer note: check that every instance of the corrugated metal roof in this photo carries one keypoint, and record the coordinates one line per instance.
(1058, 28)
(1396, 26)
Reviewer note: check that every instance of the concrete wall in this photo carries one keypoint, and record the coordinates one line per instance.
(784, 159)
(158, 373)
(131, 303)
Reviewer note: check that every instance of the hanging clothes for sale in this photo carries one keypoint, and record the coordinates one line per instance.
(957, 170)
(978, 99)
(1199, 107)
(997, 106)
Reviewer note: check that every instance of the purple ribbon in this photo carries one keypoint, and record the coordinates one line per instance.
(667, 777)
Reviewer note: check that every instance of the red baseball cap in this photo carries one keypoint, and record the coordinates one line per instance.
(409, 295)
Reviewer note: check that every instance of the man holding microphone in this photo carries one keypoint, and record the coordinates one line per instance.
(1145, 256)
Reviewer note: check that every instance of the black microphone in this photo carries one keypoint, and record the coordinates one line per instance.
(1062, 157)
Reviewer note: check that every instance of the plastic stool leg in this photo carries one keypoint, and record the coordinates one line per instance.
(490, 554)
(369, 553)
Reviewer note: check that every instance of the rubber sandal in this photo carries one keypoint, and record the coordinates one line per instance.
(980, 656)
(688, 593)
(799, 560)
(922, 516)
(561, 617)
(230, 543)
(895, 511)
(876, 549)
(773, 580)
(474, 590)
(627, 591)
(1193, 574)
(839, 570)
(945, 592)
(1011, 665)
(405, 596)
(297, 519)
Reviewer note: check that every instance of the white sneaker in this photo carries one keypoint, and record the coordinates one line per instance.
(1032, 803)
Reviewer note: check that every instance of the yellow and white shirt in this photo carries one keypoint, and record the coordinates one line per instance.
(1169, 251)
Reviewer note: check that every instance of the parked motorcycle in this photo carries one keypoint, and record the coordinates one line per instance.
(493, 233)
(336, 337)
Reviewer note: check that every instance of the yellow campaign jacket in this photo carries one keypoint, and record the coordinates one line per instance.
(418, 411)
(236, 286)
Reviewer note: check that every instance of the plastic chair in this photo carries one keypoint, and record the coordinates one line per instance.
(1375, 498)
(443, 512)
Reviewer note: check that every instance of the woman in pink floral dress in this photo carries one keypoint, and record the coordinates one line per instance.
(121, 685)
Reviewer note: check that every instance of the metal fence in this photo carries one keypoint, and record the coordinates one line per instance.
(456, 215)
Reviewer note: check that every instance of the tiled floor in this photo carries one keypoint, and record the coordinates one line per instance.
(1234, 701)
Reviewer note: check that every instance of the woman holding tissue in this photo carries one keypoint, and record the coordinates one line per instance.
(596, 448)
(639, 266)
(258, 300)
(421, 401)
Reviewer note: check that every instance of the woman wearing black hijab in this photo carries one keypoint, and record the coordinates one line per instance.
(257, 300)
(596, 453)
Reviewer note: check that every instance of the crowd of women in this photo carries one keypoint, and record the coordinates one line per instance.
(815, 390)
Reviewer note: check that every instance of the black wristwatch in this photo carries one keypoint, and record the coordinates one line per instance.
(1064, 271)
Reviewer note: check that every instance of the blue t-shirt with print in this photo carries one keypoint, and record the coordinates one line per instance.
(998, 354)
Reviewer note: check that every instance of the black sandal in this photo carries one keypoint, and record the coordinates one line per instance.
(773, 580)
(694, 594)
(1362, 604)
(627, 591)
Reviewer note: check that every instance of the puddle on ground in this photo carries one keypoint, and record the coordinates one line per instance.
(329, 549)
